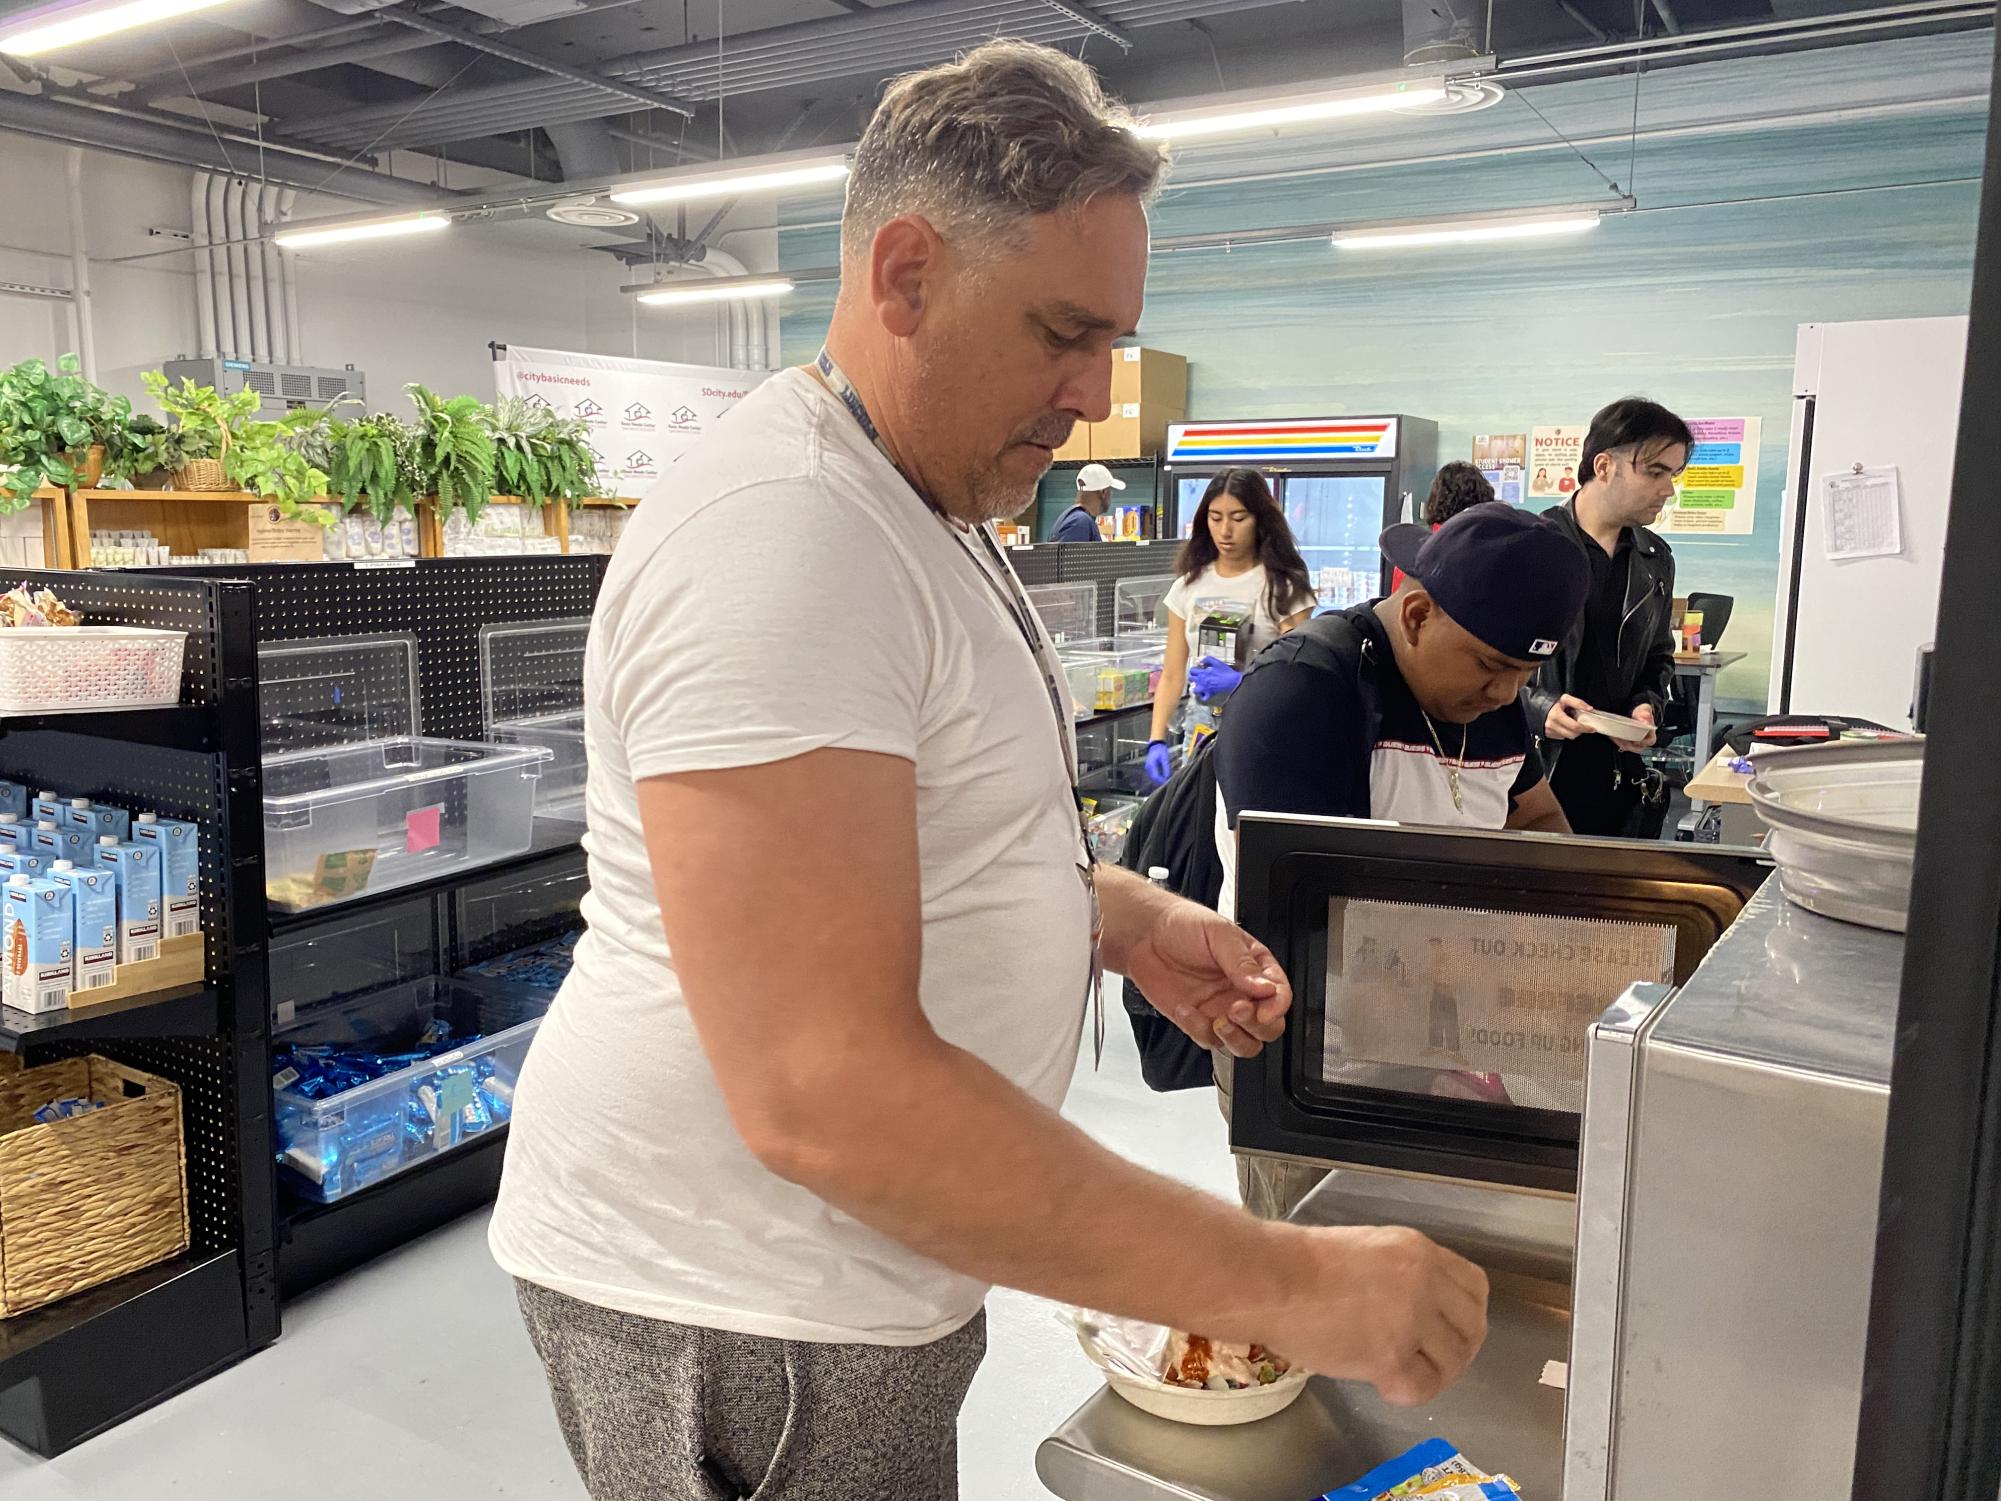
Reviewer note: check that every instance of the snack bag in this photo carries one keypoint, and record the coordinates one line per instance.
(1432, 1469)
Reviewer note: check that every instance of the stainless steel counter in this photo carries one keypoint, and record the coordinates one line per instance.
(1500, 1416)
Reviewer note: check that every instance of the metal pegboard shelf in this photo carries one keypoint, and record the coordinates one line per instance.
(187, 1011)
(81, 1365)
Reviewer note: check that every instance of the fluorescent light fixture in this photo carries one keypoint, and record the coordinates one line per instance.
(1271, 109)
(774, 175)
(729, 289)
(74, 25)
(1525, 225)
(362, 229)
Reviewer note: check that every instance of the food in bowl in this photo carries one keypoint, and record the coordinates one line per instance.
(1196, 1362)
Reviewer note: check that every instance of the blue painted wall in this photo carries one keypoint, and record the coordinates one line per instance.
(1823, 187)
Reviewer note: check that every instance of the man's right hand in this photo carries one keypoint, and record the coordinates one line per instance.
(1562, 722)
(1387, 1306)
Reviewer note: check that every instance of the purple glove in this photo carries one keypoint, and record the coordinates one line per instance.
(1212, 679)
(1159, 762)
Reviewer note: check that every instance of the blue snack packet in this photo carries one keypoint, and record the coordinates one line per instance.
(1431, 1464)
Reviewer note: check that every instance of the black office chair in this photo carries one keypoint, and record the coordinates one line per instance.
(1715, 612)
(1679, 723)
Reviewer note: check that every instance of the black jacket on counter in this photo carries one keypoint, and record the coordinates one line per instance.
(1646, 639)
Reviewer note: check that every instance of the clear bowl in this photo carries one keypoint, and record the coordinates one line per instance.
(1844, 826)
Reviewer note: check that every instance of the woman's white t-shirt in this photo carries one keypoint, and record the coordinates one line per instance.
(1212, 594)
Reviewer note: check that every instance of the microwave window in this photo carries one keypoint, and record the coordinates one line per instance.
(1456, 1003)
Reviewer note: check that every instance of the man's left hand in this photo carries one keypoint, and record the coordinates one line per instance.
(1211, 979)
(1645, 714)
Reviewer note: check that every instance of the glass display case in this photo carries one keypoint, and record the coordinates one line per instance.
(532, 690)
(355, 799)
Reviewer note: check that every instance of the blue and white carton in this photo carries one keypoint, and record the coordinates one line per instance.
(13, 801)
(21, 862)
(16, 835)
(136, 868)
(97, 819)
(46, 804)
(37, 945)
(180, 869)
(94, 896)
(55, 843)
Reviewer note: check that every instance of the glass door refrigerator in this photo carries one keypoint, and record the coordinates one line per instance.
(1339, 480)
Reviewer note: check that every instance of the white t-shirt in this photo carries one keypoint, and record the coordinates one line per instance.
(1212, 594)
(788, 593)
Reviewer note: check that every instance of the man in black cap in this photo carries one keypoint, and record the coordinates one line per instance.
(1407, 709)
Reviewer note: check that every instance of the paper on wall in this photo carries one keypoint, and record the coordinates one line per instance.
(1864, 518)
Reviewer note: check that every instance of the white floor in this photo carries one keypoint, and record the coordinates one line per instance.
(412, 1378)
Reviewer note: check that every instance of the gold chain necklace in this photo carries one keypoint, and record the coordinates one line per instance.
(1452, 769)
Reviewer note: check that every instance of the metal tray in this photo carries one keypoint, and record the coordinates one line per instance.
(1844, 822)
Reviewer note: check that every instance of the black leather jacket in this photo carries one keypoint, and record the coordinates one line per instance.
(1646, 639)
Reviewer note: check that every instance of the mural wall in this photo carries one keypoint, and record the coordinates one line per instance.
(1829, 186)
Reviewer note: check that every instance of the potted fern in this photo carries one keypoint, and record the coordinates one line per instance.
(455, 452)
(538, 455)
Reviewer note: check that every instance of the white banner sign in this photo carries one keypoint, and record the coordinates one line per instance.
(643, 414)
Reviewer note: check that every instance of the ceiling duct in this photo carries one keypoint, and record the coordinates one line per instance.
(1435, 32)
(585, 151)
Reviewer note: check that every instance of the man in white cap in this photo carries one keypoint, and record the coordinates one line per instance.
(1095, 484)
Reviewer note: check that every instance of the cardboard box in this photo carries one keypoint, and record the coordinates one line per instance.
(1151, 377)
(1079, 447)
(1135, 430)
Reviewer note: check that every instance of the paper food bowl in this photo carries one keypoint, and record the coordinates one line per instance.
(1618, 726)
(1204, 1409)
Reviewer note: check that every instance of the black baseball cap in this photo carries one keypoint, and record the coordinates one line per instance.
(1507, 576)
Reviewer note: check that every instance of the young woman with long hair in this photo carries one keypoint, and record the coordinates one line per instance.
(1239, 560)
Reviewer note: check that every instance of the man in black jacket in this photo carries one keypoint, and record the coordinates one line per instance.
(1619, 656)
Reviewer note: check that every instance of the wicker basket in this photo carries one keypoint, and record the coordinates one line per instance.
(205, 474)
(91, 1198)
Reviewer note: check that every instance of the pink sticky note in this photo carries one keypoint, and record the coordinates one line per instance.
(421, 829)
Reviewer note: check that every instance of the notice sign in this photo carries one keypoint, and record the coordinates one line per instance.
(1554, 456)
(1718, 491)
(1422, 998)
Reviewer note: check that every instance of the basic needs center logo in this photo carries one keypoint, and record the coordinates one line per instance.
(684, 419)
(639, 464)
(637, 418)
(590, 411)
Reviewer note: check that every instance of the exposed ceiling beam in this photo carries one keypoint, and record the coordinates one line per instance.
(1090, 20)
(257, 47)
(1665, 8)
(853, 5)
(200, 82)
(53, 119)
(1596, 32)
(644, 97)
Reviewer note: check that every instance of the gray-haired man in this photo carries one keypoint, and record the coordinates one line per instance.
(796, 1108)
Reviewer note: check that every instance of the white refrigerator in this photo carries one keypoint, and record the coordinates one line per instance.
(1868, 397)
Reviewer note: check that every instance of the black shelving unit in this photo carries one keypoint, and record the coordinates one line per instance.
(77, 1367)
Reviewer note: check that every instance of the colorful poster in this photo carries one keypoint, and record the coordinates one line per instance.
(1500, 451)
(1554, 456)
(1508, 484)
(1717, 494)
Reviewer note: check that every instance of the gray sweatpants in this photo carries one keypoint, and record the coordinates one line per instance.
(654, 1411)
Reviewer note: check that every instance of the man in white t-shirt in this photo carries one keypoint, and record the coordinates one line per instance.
(795, 1109)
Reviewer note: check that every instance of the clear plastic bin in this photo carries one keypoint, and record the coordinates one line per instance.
(1139, 605)
(532, 687)
(344, 820)
(355, 800)
(1068, 612)
(332, 1147)
(1111, 672)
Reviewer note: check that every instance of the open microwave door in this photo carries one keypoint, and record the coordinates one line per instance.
(1445, 983)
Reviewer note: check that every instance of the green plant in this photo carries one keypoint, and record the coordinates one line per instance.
(47, 417)
(376, 456)
(538, 455)
(256, 456)
(260, 462)
(454, 451)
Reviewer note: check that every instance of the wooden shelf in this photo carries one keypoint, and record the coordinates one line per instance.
(188, 521)
(555, 517)
(58, 550)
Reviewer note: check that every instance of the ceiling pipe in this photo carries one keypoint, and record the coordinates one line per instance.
(645, 98)
(79, 263)
(1665, 10)
(235, 232)
(584, 150)
(228, 339)
(274, 287)
(288, 275)
(254, 288)
(204, 265)
(912, 33)
(192, 146)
